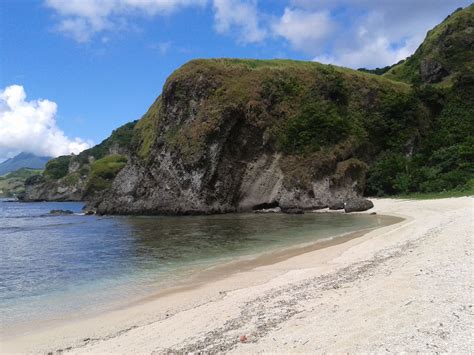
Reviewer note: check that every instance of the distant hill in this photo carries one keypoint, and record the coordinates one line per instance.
(13, 184)
(23, 160)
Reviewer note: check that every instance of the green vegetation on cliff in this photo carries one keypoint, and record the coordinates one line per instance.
(103, 171)
(442, 74)
(144, 134)
(119, 141)
(57, 168)
(97, 166)
(444, 154)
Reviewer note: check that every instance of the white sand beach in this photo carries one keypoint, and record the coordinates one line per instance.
(406, 287)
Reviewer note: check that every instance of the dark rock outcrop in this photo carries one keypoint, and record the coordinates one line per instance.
(358, 205)
(61, 212)
(38, 188)
(431, 71)
(293, 211)
(338, 205)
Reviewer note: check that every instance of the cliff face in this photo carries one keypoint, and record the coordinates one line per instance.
(232, 135)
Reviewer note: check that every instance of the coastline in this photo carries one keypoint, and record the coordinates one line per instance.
(259, 300)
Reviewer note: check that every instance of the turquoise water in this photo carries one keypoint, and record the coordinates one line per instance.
(56, 267)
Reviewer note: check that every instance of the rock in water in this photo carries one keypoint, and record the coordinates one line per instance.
(293, 211)
(358, 205)
(58, 212)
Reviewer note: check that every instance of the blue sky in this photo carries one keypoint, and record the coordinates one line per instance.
(73, 70)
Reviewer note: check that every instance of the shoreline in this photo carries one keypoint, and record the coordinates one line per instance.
(251, 262)
(205, 275)
(169, 323)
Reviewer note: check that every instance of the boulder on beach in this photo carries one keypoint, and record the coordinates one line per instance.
(358, 205)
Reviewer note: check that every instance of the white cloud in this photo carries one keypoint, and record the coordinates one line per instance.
(305, 30)
(371, 52)
(240, 17)
(82, 19)
(355, 33)
(30, 126)
(164, 47)
(374, 33)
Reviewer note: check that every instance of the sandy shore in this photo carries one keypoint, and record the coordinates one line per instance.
(404, 287)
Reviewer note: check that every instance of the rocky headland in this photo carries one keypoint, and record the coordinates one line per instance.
(232, 135)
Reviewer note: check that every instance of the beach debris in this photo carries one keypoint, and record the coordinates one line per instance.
(243, 338)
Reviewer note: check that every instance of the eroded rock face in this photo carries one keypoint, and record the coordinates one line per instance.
(431, 71)
(37, 188)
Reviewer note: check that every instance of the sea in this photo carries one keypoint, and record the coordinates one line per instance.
(58, 267)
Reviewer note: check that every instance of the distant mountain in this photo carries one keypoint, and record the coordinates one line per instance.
(23, 160)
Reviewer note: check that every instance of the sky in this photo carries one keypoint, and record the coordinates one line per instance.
(71, 71)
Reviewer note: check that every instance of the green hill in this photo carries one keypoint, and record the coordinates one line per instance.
(446, 53)
(74, 177)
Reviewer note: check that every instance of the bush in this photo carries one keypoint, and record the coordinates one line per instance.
(319, 124)
(57, 168)
(388, 175)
